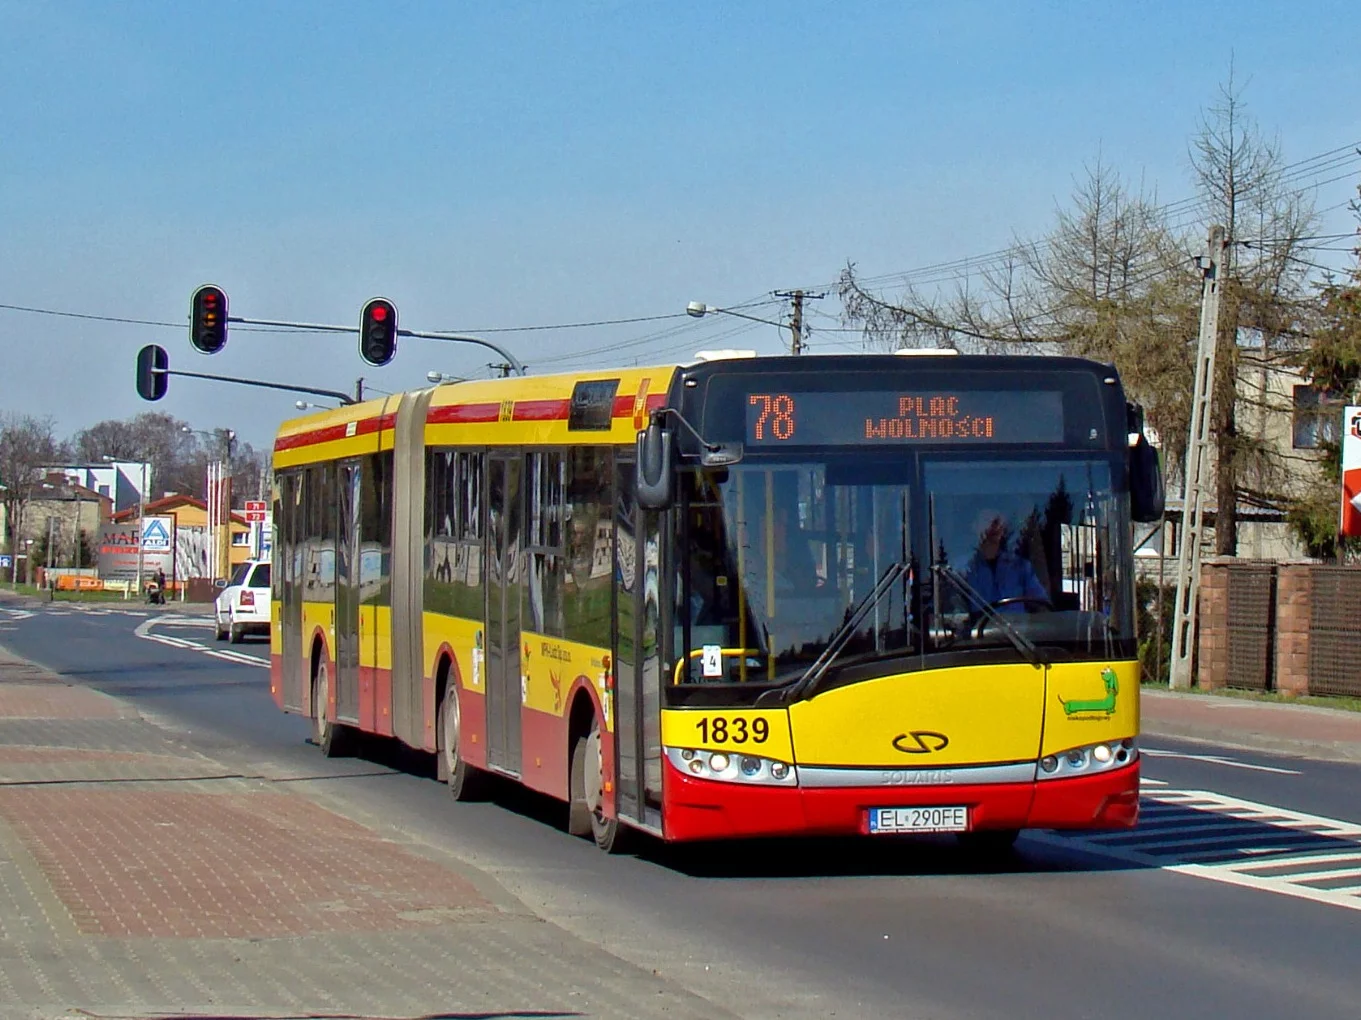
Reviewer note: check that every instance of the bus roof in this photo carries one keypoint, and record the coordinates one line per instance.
(538, 410)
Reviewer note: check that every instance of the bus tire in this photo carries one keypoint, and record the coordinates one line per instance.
(989, 844)
(330, 736)
(585, 812)
(466, 782)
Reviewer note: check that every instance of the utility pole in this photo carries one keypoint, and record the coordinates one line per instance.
(1196, 466)
(796, 316)
(359, 390)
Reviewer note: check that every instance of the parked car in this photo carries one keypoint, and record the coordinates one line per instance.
(243, 606)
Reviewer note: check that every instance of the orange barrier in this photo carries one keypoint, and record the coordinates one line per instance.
(78, 582)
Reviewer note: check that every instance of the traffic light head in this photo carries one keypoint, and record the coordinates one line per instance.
(208, 319)
(378, 331)
(153, 366)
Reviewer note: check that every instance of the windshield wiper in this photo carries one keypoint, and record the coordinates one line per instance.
(1023, 644)
(846, 631)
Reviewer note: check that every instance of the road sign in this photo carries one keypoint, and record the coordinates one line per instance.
(1350, 523)
(255, 510)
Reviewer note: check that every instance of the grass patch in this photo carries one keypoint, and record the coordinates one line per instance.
(34, 591)
(1346, 704)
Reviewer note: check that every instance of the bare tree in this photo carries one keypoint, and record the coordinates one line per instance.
(27, 445)
(1115, 280)
(1240, 175)
(1110, 281)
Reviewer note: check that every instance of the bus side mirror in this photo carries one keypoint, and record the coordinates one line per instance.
(655, 467)
(1146, 496)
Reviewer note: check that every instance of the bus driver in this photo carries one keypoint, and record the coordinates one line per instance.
(997, 573)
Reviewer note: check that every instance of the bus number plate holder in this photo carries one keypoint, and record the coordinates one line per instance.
(888, 820)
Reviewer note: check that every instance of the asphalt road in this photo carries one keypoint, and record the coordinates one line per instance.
(1222, 903)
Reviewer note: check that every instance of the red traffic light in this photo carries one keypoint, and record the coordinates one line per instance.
(378, 331)
(208, 319)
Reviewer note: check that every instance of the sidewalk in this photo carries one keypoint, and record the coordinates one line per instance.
(15, 598)
(1304, 730)
(140, 878)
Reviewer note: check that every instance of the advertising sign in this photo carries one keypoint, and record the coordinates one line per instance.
(1350, 525)
(118, 549)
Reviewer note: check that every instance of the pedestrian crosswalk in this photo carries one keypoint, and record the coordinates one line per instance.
(1238, 842)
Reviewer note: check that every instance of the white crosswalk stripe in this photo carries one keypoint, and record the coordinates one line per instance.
(1237, 842)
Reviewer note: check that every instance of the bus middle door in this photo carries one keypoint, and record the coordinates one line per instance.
(504, 555)
(347, 591)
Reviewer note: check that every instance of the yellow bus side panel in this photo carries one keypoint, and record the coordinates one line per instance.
(318, 616)
(463, 639)
(550, 666)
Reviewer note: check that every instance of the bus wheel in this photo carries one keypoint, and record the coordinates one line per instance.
(466, 782)
(586, 813)
(989, 844)
(327, 735)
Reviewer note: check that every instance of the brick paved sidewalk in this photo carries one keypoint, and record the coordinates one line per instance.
(139, 878)
(1305, 730)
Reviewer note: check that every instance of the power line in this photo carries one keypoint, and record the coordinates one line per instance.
(962, 267)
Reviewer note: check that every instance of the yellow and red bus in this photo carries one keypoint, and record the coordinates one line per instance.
(743, 597)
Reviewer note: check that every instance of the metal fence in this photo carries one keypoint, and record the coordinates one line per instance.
(1251, 625)
(1335, 631)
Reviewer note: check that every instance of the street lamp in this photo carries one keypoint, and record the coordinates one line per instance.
(435, 378)
(698, 309)
(306, 405)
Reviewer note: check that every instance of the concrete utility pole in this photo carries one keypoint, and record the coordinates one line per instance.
(796, 316)
(1196, 466)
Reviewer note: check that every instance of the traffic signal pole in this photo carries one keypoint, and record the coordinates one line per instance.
(153, 366)
(320, 327)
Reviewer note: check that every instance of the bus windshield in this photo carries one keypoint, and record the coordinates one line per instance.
(854, 559)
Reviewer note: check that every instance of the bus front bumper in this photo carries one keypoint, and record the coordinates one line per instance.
(698, 809)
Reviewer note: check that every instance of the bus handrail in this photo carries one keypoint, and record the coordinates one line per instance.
(696, 652)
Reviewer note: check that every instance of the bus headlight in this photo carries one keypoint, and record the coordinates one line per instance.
(1088, 759)
(730, 768)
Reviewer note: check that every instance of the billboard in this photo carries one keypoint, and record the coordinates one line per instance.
(118, 545)
(1350, 524)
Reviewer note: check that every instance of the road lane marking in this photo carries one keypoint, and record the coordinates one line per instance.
(1218, 759)
(1236, 842)
(144, 631)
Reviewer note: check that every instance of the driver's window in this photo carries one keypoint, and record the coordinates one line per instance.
(1000, 527)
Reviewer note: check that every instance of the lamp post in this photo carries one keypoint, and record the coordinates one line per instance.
(435, 378)
(698, 309)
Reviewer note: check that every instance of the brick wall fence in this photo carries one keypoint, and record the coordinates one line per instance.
(1290, 626)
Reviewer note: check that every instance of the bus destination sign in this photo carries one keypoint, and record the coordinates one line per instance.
(886, 417)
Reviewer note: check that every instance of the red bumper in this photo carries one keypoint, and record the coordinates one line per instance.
(697, 809)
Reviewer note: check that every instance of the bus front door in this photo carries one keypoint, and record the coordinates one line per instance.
(504, 556)
(347, 591)
(637, 655)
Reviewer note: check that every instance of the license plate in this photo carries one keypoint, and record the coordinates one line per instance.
(919, 819)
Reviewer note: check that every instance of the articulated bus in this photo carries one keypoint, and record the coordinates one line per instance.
(741, 597)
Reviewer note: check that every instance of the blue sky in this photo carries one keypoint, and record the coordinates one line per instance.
(504, 164)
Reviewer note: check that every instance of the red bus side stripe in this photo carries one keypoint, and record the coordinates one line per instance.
(459, 414)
